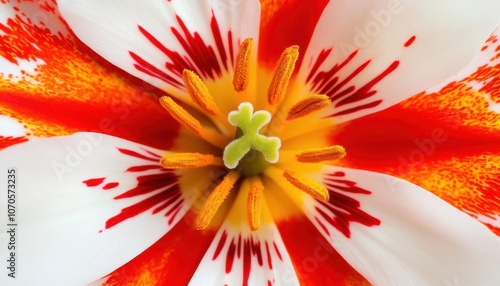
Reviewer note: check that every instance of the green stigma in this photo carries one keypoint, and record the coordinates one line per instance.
(248, 137)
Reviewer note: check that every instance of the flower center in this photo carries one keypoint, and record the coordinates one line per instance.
(250, 153)
(248, 138)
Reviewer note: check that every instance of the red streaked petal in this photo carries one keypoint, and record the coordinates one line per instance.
(445, 140)
(172, 260)
(421, 239)
(285, 23)
(156, 40)
(55, 85)
(369, 57)
(70, 191)
(239, 256)
(315, 260)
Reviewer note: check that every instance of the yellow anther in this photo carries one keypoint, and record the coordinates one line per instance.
(308, 105)
(215, 200)
(254, 203)
(282, 75)
(191, 123)
(199, 92)
(242, 67)
(181, 115)
(309, 186)
(331, 153)
(189, 160)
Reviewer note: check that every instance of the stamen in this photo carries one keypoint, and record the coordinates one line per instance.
(191, 123)
(310, 186)
(254, 203)
(330, 153)
(250, 124)
(242, 67)
(215, 200)
(189, 160)
(307, 106)
(199, 92)
(282, 75)
(181, 115)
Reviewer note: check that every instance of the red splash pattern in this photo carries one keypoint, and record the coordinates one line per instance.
(200, 57)
(78, 90)
(160, 184)
(247, 248)
(342, 210)
(314, 260)
(342, 91)
(171, 261)
(446, 141)
(285, 23)
(9, 141)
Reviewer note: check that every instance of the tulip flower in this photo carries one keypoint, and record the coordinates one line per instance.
(245, 142)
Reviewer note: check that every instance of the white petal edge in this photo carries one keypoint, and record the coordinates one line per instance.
(422, 240)
(59, 218)
(445, 42)
(111, 28)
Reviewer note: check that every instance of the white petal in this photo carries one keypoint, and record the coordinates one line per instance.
(85, 207)
(392, 49)
(421, 240)
(165, 37)
(239, 256)
(10, 127)
(242, 257)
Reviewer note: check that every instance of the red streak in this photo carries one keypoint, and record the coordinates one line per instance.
(109, 186)
(342, 91)
(410, 41)
(341, 210)
(200, 57)
(94, 182)
(9, 141)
